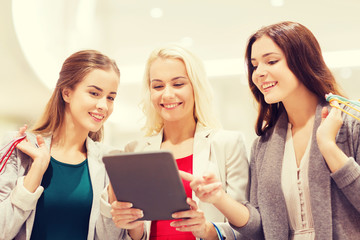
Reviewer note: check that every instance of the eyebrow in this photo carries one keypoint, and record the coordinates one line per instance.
(173, 79)
(266, 54)
(99, 89)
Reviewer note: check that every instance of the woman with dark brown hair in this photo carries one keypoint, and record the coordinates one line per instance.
(52, 184)
(305, 173)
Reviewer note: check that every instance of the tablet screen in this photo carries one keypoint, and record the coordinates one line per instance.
(149, 180)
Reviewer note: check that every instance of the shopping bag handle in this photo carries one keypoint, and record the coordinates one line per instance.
(7, 150)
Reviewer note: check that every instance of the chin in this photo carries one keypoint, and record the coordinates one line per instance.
(271, 100)
(95, 128)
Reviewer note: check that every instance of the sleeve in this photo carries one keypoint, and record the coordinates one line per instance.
(236, 175)
(16, 202)
(253, 229)
(237, 169)
(347, 178)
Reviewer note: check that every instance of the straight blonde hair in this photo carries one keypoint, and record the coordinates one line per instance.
(203, 93)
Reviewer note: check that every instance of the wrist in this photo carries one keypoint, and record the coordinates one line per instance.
(38, 167)
(211, 233)
(326, 145)
(32, 180)
(334, 157)
(220, 199)
(137, 233)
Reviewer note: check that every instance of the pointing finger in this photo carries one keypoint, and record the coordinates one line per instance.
(186, 176)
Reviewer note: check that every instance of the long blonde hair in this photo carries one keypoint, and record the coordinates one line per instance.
(73, 71)
(203, 94)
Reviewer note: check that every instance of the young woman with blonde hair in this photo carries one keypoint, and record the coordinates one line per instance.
(177, 103)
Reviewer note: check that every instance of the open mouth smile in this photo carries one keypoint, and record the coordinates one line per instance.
(267, 86)
(170, 105)
(97, 117)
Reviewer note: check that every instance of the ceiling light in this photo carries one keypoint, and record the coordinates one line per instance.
(156, 12)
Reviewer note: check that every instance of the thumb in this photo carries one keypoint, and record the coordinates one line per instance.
(209, 175)
(111, 194)
(186, 176)
(40, 141)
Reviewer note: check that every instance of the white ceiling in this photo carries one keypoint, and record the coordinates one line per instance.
(37, 35)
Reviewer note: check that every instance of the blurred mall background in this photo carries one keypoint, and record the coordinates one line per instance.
(37, 35)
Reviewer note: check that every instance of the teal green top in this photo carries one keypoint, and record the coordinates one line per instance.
(63, 210)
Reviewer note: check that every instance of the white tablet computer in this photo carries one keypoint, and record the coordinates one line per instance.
(149, 180)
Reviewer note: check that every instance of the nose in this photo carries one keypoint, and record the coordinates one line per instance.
(260, 71)
(168, 92)
(102, 104)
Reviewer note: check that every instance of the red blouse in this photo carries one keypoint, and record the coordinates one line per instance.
(161, 230)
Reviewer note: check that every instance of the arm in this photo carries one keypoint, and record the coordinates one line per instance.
(326, 138)
(41, 158)
(17, 202)
(106, 228)
(208, 189)
(109, 224)
(250, 223)
(122, 216)
(229, 155)
(235, 180)
(342, 155)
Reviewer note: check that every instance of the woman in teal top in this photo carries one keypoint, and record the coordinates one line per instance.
(71, 183)
(52, 184)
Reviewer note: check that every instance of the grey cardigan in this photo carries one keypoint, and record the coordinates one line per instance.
(335, 197)
(18, 206)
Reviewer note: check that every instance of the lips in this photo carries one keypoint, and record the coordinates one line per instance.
(97, 117)
(267, 85)
(170, 105)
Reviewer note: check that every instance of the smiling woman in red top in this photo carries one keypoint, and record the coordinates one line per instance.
(177, 103)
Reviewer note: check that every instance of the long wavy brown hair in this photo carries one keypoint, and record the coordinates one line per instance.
(73, 71)
(304, 58)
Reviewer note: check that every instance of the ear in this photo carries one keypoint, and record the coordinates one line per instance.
(66, 94)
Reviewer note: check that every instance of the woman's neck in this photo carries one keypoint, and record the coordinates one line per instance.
(68, 141)
(68, 138)
(177, 132)
(301, 108)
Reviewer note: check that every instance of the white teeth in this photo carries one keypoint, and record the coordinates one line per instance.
(170, 105)
(97, 116)
(267, 85)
